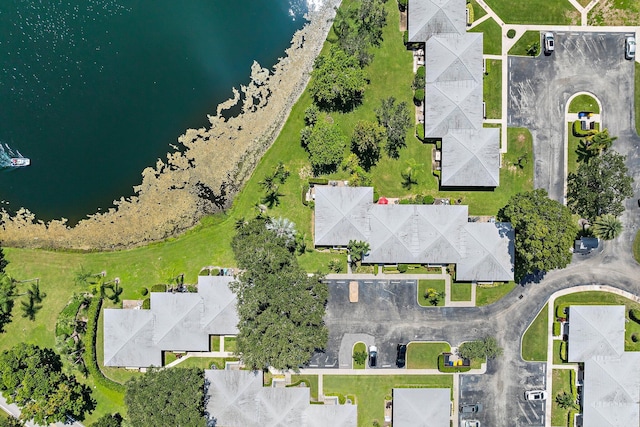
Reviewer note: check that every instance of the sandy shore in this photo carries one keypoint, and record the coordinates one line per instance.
(202, 178)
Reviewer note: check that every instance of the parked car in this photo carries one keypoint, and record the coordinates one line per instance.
(373, 356)
(471, 423)
(401, 356)
(549, 42)
(535, 395)
(630, 48)
(471, 408)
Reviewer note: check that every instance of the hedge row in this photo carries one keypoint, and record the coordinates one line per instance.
(577, 130)
(91, 358)
(634, 315)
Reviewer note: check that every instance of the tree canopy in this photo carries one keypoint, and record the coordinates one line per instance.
(599, 186)
(337, 81)
(3, 261)
(487, 347)
(544, 230)
(326, 144)
(280, 307)
(395, 118)
(109, 420)
(171, 397)
(32, 378)
(365, 142)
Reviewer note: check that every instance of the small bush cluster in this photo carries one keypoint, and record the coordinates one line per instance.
(556, 329)
(159, 288)
(511, 33)
(318, 181)
(403, 268)
(577, 130)
(634, 314)
(144, 291)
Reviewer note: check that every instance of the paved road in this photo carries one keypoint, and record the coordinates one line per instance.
(540, 87)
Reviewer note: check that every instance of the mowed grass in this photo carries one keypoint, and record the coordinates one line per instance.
(360, 347)
(478, 11)
(493, 89)
(523, 43)
(636, 247)
(423, 285)
(584, 103)
(560, 384)
(559, 352)
(636, 97)
(461, 292)
(424, 355)
(559, 12)
(492, 39)
(534, 340)
(606, 298)
(312, 381)
(371, 390)
(489, 295)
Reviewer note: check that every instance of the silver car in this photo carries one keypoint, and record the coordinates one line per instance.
(630, 48)
(549, 42)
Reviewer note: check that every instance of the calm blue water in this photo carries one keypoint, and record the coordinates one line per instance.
(94, 91)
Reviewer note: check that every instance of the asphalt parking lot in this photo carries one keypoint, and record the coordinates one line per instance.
(540, 87)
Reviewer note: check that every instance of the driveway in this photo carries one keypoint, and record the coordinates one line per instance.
(540, 87)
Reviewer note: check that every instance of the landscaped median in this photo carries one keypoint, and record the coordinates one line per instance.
(431, 293)
(424, 355)
(534, 340)
(359, 355)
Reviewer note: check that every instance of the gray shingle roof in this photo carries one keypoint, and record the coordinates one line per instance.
(180, 322)
(453, 93)
(437, 234)
(238, 399)
(471, 158)
(421, 407)
(429, 17)
(595, 330)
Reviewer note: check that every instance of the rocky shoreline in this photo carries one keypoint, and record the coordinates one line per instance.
(204, 175)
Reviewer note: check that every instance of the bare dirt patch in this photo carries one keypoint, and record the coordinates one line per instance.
(615, 12)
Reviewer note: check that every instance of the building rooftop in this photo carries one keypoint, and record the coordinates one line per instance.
(596, 331)
(471, 158)
(421, 407)
(429, 17)
(238, 399)
(422, 234)
(175, 322)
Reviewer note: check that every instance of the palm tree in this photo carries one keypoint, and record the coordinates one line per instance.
(409, 178)
(358, 249)
(566, 401)
(7, 295)
(35, 294)
(283, 227)
(600, 141)
(607, 227)
(29, 309)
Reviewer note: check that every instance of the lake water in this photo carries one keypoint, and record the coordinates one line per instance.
(94, 91)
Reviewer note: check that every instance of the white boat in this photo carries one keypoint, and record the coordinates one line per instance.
(20, 162)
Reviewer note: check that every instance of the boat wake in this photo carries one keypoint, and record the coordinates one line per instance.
(12, 159)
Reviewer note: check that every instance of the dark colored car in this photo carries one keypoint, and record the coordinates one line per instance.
(402, 355)
(373, 356)
(470, 408)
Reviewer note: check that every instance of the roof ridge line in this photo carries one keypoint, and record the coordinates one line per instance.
(135, 333)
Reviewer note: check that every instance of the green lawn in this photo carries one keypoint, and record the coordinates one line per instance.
(523, 43)
(489, 295)
(423, 285)
(478, 11)
(230, 344)
(205, 362)
(493, 89)
(584, 103)
(534, 341)
(559, 352)
(606, 298)
(492, 39)
(636, 96)
(561, 383)
(214, 343)
(371, 390)
(424, 355)
(311, 381)
(573, 144)
(461, 292)
(359, 347)
(636, 247)
(535, 11)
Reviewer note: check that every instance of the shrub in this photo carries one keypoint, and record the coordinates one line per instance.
(418, 95)
(305, 189)
(215, 272)
(634, 314)
(359, 357)
(144, 291)
(428, 200)
(336, 266)
(91, 360)
(402, 5)
(577, 130)
(318, 181)
(405, 202)
(146, 304)
(159, 288)
(405, 37)
(403, 268)
(471, 17)
(203, 272)
(421, 71)
(634, 337)
(556, 329)
(511, 33)
(420, 131)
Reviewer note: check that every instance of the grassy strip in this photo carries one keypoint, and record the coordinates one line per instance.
(230, 344)
(561, 383)
(492, 39)
(371, 391)
(205, 362)
(423, 285)
(606, 298)
(486, 295)
(636, 247)
(214, 343)
(360, 347)
(535, 11)
(523, 43)
(559, 352)
(478, 11)
(534, 341)
(584, 103)
(493, 89)
(424, 355)
(636, 97)
(310, 380)
(461, 292)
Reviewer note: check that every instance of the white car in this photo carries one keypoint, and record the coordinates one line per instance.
(535, 395)
(630, 48)
(471, 423)
(549, 42)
